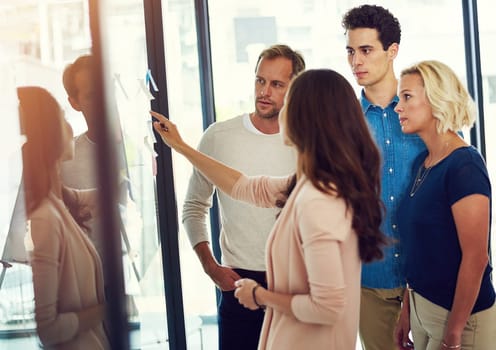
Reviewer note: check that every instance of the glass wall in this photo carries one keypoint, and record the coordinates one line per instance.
(240, 30)
(129, 85)
(38, 39)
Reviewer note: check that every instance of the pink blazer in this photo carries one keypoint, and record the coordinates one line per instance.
(67, 277)
(312, 254)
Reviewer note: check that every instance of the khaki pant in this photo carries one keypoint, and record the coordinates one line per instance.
(379, 312)
(428, 321)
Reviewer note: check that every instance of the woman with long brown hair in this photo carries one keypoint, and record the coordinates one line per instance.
(330, 217)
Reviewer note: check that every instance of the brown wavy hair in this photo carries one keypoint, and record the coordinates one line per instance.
(41, 120)
(325, 122)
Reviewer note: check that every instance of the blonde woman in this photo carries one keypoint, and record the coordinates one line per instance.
(445, 219)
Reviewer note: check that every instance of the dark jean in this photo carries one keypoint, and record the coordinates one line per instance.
(239, 327)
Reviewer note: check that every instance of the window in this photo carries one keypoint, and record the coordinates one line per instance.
(314, 28)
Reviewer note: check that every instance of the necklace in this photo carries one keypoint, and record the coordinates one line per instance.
(424, 170)
(420, 178)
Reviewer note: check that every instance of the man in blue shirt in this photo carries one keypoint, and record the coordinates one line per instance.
(372, 41)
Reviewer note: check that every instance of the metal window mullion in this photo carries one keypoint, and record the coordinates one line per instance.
(166, 198)
(474, 74)
(108, 190)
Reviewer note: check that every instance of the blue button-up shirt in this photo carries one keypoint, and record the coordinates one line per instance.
(398, 151)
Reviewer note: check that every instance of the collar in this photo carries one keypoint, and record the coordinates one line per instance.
(85, 135)
(366, 104)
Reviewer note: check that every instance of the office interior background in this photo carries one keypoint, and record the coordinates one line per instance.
(193, 60)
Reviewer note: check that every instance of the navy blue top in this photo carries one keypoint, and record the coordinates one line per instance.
(428, 230)
(398, 151)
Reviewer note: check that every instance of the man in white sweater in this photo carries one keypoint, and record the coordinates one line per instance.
(250, 143)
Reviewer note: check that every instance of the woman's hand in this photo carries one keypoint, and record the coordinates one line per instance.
(244, 293)
(451, 340)
(402, 330)
(167, 131)
(218, 173)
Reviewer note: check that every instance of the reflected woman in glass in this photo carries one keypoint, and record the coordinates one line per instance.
(67, 271)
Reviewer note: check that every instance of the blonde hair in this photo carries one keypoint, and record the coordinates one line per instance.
(450, 101)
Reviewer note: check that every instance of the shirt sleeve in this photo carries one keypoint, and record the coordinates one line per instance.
(53, 327)
(199, 198)
(195, 209)
(87, 197)
(323, 224)
(87, 201)
(467, 177)
(261, 191)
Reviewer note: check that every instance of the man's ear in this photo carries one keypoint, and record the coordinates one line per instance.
(393, 50)
(74, 103)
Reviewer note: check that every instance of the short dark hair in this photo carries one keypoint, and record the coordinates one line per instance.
(285, 51)
(375, 17)
(68, 78)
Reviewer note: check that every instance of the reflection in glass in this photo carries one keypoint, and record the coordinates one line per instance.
(67, 272)
(50, 35)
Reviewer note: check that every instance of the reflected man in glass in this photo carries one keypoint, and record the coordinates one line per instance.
(81, 172)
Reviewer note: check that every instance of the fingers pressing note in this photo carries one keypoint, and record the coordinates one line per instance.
(161, 120)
